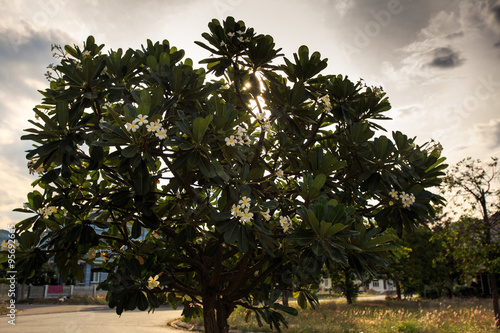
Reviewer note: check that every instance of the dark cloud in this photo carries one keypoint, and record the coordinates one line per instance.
(495, 132)
(455, 35)
(445, 57)
(496, 13)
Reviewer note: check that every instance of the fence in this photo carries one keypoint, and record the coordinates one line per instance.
(49, 291)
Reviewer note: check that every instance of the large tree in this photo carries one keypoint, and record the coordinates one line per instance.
(247, 176)
(472, 186)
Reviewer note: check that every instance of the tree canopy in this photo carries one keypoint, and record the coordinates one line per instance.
(245, 177)
(475, 241)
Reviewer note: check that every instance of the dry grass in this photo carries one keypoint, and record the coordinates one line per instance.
(426, 316)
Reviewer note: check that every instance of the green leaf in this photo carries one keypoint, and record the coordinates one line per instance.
(141, 179)
(200, 126)
(130, 151)
(319, 181)
(286, 309)
(142, 301)
(301, 300)
(243, 244)
(313, 221)
(62, 111)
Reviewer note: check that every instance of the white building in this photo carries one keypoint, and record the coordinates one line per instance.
(380, 286)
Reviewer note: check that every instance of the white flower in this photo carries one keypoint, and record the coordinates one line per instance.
(47, 211)
(161, 134)
(240, 39)
(4, 245)
(239, 32)
(393, 194)
(247, 40)
(230, 34)
(266, 215)
(85, 53)
(132, 126)
(231, 141)
(153, 282)
(286, 223)
(246, 216)
(245, 202)
(140, 120)
(178, 195)
(267, 126)
(222, 44)
(404, 197)
(235, 210)
(153, 126)
(240, 131)
(279, 173)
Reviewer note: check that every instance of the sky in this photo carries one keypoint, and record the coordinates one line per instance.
(437, 60)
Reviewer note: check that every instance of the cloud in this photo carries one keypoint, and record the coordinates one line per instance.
(409, 110)
(445, 57)
(342, 6)
(483, 16)
(24, 55)
(488, 133)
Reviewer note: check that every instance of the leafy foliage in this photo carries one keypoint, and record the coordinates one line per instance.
(244, 178)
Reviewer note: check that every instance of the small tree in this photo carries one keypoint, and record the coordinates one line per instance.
(472, 183)
(245, 184)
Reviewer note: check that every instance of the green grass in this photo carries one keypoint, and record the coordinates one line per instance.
(424, 316)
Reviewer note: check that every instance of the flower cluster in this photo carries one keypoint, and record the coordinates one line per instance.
(378, 91)
(31, 168)
(326, 103)
(406, 199)
(153, 127)
(47, 211)
(239, 139)
(239, 37)
(242, 210)
(286, 223)
(265, 123)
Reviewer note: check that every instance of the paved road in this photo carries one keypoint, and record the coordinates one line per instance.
(61, 318)
(87, 319)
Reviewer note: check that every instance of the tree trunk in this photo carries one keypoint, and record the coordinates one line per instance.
(209, 315)
(450, 286)
(284, 296)
(494, 293)
(215, 315)
(398, 289)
